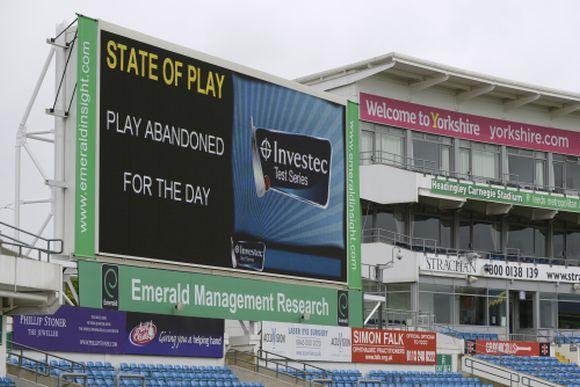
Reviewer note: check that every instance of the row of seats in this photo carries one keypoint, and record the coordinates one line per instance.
(424, 378)
(548, 368)
(567, 339)
(470, 335)
(6, 382)
(103, 374)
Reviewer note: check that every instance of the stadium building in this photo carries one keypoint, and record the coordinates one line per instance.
(394, 222)
(469, 195)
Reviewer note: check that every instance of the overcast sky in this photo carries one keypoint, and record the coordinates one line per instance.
(530, 41)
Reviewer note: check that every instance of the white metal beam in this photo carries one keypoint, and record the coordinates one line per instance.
(427, 83)
(333, 83)
(521, 101)
(377, 306)
(475, 92)
(565, 110)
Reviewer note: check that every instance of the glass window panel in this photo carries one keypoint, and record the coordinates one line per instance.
(547, 314)
(445, 158)
(426, 154)
(464, 162)
(572, 175)
(568, 315)
(443, 309)
(521, 169)
(445, 234)
(485, 164)
(559, 240)
(541, 234)
(366, 146)
(573, 244)
(472, 310)
(540, 168)
(521, 237)
(426, 227)
(486, 236)
(386, 221)
(559, 175)
(497, 308)
(465, 236)
(392, 148)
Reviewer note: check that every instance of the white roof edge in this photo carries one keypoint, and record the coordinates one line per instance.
(433, 66)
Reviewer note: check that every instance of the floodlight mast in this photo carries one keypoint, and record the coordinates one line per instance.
(56, 185)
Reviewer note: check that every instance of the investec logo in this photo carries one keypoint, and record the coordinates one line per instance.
(293, 158)
(293, 164)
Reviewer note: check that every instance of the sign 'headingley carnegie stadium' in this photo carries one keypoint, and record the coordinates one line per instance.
(504, 195)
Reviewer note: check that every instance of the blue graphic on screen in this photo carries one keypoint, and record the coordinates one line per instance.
(302, 229)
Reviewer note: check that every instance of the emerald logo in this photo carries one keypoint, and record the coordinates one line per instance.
(110, 287)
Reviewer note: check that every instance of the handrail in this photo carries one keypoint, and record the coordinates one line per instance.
(260, 351)
(512, 373)
(18, 349)
(431, 167)
(381, 235)
(72, 375)
(53, 246)
(120, 376)
(238, 356)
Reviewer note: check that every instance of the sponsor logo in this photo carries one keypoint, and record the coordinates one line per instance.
(248, 255)
(143, 334)
(110, 287)
(341, 341)
(296, 165)
(274, 337)
(342, 307)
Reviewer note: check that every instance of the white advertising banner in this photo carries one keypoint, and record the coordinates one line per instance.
(307, 342)
(462, 266)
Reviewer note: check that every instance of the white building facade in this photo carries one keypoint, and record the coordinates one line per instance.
(469, 194)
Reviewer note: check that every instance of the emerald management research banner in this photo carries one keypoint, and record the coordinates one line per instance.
(307, 342)
(199, 163)
(145, 290)
(353, 230)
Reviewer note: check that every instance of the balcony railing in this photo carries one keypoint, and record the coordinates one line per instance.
(432, 168)
(379, 235)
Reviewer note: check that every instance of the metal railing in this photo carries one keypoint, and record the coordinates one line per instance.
(379, 235)
(21, 248)
(43, 366)
(507, 376)
(278, 364)
(404, 319)
(432, 168)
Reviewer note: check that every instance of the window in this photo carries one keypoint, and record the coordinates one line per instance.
(390, 218)
(566, 172)
(472, 305)
(392, 146)
(529, 239)
(566, 240)
(569, 311)
(438, 300)
(548, 310)
(431, 153)
(367, 141)
(496, 307)
(526, 167)
(475, 234)
(427, 226)
(479, 160)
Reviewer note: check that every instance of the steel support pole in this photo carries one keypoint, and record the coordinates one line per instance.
(21, 139)
(59, 128)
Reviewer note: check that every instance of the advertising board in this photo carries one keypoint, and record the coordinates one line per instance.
(513, 348)
(185, 158)
(148, 290)
(87, 330)
(462, 266)
(408, 115)
(393, 347)
(307, 342)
